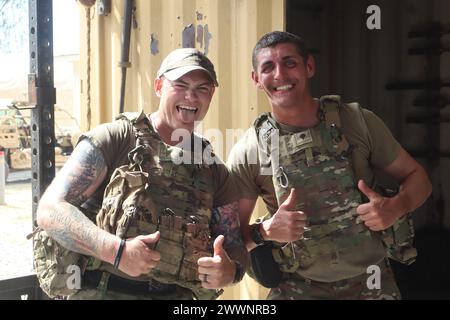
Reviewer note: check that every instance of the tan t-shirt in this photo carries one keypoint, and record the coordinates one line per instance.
(116, 140)
(373, 147)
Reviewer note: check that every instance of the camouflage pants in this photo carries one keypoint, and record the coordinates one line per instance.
(101, 292)
(297, 288)
(97, 294)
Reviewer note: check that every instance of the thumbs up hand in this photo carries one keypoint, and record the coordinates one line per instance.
(287, 224)
(380, 212)
(138, 257)
(217, 271)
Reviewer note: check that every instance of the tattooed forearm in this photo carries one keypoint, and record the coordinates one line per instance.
(225, 220)
(75, 231)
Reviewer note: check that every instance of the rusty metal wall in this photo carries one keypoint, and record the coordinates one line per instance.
(226, 30)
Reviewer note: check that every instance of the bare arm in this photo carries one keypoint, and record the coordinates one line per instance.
(59, 216)
(415, 187)
(246, 207)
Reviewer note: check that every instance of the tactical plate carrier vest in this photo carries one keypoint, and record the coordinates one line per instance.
(316, 162)
(152, 193)
(159, 192)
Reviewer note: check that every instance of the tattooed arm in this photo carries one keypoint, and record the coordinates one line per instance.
(225, 221)
(228, 248)
(59, 216)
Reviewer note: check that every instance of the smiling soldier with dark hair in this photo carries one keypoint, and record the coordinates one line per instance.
(329, 219)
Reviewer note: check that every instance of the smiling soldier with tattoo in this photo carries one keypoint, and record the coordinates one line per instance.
(138, 223)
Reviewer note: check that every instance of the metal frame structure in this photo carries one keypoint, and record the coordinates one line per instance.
(42, 95)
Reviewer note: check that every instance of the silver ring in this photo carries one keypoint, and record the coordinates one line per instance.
(205, 278)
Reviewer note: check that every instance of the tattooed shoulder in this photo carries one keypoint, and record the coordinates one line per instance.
(81, 174)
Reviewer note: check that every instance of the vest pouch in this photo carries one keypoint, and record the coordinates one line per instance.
(196, 245)
(398, 240)
(286, 257)
(52, 263)
(296, 255)
(171, 252)
(121, 195)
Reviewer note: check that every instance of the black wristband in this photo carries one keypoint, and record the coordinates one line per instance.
(256, 235)
(119, 253)
(239, 272)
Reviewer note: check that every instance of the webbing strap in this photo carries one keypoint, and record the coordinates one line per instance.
(330, 106)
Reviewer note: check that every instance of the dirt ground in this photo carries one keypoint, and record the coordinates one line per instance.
(15, 224)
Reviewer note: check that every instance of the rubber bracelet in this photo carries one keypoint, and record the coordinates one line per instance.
(119, 253)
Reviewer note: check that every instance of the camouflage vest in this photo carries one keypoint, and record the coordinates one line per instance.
(56, 267)
(316, 162)
(158, 192)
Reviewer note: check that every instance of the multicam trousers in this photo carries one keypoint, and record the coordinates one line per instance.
(297, 288)
(94, 288)
(97, 294)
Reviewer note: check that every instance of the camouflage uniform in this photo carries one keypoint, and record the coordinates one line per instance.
(157, 191)
(89, 293)
(298, 288)
(317, 163)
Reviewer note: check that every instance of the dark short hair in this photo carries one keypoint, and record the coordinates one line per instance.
(274, 38)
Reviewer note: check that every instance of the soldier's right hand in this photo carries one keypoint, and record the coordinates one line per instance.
(287, 224)
(138, 257)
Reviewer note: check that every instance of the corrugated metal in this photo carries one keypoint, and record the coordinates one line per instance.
(232, 28)
(226, 30)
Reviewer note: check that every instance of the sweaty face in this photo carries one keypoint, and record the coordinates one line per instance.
(185, 100)
(283, 74)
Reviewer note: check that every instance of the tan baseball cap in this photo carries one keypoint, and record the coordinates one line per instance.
(184, 60)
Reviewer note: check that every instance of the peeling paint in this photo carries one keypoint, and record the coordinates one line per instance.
(207, 37)
(200, 35)
(199, 15)
(188, 36)
(153, 45)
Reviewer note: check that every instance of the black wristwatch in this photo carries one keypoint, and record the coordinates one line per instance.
(256, 234)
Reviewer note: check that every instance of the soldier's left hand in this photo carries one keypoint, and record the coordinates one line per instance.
(380, 212)
(217, 271)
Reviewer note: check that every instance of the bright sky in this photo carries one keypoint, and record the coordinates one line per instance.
(66, 27)
(66, 41)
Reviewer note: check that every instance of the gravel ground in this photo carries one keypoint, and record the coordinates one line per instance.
(15, 224)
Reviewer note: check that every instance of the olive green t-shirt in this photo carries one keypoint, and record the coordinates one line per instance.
(373, 147)
(116, 140)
